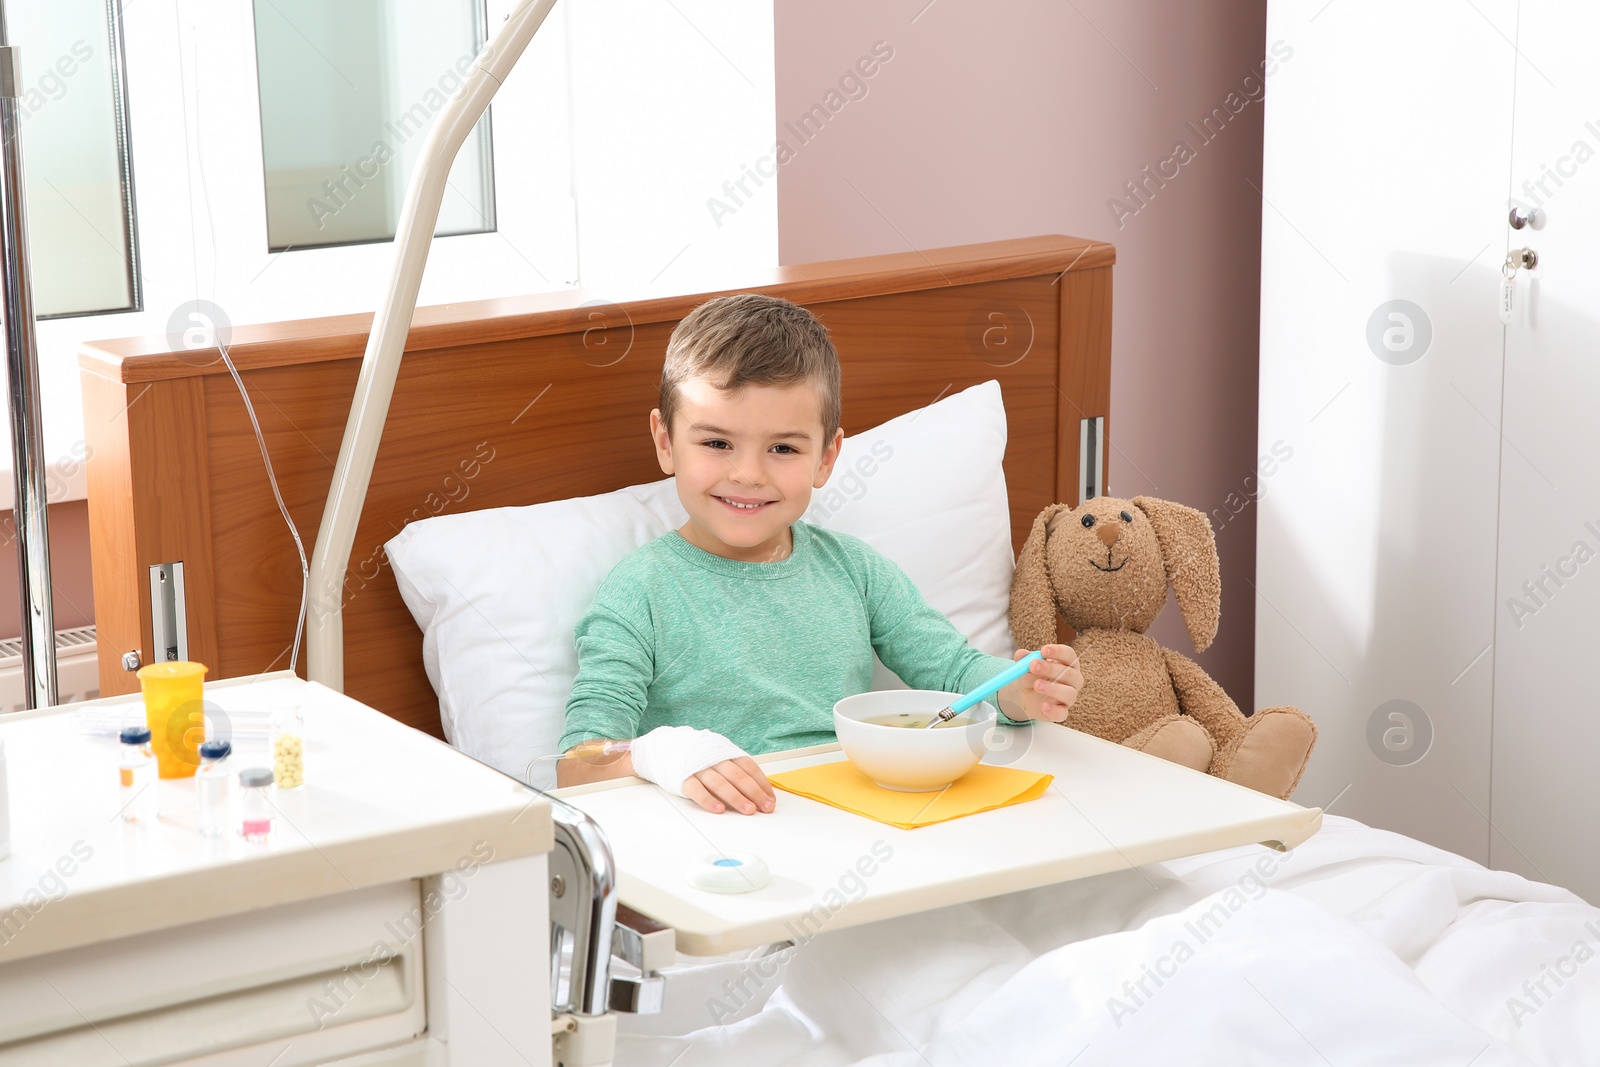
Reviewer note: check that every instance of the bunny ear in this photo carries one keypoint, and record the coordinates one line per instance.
(1190, 553)
(1033, 599)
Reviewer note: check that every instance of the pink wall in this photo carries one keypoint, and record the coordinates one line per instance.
(1012, 118)
(69, 566)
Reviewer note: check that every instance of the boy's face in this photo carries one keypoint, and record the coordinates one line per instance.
(745, 463)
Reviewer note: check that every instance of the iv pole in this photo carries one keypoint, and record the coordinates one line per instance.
(22, 382)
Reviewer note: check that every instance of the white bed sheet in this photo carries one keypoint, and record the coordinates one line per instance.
(1360, 946)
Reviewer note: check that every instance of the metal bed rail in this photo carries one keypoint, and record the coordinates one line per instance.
(589, 931)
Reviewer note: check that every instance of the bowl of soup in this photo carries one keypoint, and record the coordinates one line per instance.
(882, 734)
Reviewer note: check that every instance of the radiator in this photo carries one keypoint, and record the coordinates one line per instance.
(77, 673)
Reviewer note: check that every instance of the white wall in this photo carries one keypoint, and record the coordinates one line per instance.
(669, 101)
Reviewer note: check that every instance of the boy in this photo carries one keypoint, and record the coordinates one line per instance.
(746, 621)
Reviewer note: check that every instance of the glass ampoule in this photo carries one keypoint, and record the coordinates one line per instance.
(255, 809)
(213, 788)
(137, 776)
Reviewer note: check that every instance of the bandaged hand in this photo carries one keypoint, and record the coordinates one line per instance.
(703, 766)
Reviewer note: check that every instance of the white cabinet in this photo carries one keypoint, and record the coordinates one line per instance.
(1424, 561)
(1546, 797)
(1383, 228)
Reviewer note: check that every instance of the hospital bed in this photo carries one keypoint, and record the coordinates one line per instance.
(1351, 942)
(513, 402)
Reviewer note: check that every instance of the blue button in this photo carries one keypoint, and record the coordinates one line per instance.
(726, 862)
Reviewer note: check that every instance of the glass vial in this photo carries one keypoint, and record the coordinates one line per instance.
(288, 748)
(137, 770)
(255, 810)
(213, 782)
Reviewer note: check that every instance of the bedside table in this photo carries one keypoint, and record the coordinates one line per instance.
(397, 915)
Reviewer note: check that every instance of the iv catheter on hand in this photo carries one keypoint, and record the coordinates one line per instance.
(597, 752)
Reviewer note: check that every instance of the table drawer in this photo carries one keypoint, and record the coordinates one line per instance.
(325, 977)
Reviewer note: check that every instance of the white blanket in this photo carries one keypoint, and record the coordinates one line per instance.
(1359, 947)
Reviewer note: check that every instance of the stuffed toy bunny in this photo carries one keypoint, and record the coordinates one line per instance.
(1106, 565)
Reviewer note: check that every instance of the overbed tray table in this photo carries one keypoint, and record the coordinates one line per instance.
(1108, 808)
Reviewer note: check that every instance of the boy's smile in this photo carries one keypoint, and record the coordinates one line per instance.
(745, 463)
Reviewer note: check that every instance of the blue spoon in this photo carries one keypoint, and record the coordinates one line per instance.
(999, 681)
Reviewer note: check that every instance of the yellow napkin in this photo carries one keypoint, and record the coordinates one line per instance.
(842, 785)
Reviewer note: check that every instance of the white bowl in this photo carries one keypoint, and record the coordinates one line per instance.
(910, 760)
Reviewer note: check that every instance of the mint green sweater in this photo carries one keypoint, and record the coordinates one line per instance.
(758, 652)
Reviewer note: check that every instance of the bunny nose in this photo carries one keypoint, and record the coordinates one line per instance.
(1108, 532)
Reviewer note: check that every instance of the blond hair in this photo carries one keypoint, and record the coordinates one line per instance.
(752, 339)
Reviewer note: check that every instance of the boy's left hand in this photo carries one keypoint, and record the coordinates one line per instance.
(1049, 688)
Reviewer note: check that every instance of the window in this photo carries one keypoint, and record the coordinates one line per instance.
(75, 160)
(348, 91)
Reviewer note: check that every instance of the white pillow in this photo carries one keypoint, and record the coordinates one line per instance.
(498, 593)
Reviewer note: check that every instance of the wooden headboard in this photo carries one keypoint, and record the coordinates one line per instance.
(518, 401)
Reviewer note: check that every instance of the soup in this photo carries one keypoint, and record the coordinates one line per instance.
(919, 721)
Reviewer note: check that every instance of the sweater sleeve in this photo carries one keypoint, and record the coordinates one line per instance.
(616, 664)
(917, 642)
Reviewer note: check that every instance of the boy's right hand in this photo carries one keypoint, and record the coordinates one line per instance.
(736, 783)
(703, 766)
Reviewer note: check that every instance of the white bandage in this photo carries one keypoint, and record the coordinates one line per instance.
(669, 755)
